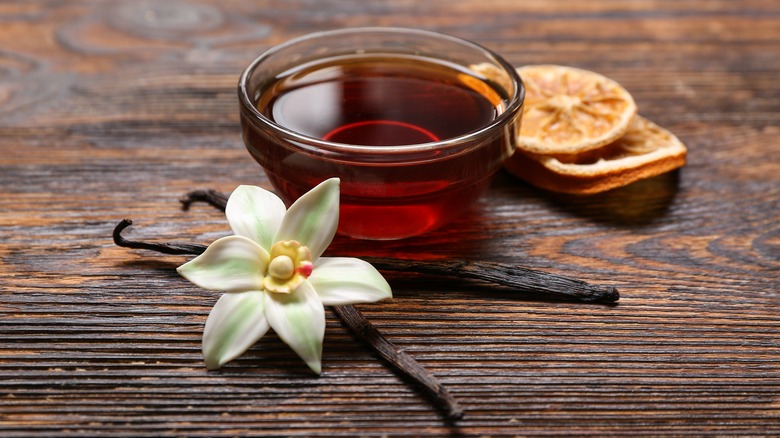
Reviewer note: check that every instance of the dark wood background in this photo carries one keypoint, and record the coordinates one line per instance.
(114, 109)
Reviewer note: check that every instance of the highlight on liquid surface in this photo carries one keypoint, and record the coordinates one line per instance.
(380, 101)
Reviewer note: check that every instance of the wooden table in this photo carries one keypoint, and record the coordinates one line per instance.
(116, 109)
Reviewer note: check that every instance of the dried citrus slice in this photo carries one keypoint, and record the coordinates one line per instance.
(569, 110)
(645, 150)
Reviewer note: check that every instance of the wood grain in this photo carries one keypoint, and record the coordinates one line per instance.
(116, 109)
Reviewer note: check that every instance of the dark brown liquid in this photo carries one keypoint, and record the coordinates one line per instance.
(379, 102)
(383, 101)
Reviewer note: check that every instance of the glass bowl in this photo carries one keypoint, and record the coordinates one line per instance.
(414, 123)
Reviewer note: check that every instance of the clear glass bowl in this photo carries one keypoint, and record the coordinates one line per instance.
(390, 191)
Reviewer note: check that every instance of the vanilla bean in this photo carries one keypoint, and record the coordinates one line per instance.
(348, 314)
(518, 278)
(177, 248)
(212, 197)
(396, 357)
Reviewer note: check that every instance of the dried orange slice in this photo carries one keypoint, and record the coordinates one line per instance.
(645, 150)
(569, 110)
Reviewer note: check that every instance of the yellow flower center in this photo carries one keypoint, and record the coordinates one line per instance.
(281, 268)
(289, 267)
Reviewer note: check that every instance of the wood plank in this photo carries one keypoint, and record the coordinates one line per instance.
(106, 114)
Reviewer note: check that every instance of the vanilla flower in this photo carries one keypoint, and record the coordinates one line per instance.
(274, 277)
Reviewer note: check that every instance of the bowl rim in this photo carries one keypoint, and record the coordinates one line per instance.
(515, 102)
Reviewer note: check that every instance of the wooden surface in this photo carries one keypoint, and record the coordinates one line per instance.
(115, 109)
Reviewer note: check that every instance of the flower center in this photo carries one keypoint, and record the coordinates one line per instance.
(289, 267)
(281, 268)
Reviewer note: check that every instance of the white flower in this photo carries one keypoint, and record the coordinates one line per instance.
(274, 276)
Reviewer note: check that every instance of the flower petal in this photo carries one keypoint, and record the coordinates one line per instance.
(235, 323)
(230, 264)
(299, 320)
(313, 218)
(255, 213)
(346, 280)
